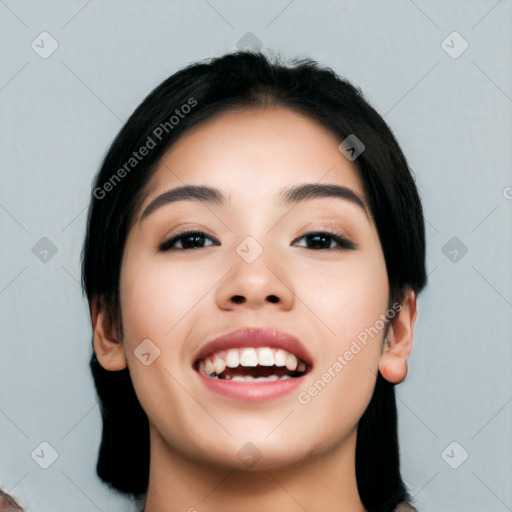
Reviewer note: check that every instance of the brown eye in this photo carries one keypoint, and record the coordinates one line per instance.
(187, 240)
(322, 240)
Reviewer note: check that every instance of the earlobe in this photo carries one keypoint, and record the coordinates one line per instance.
(108, 348)
(393, 361)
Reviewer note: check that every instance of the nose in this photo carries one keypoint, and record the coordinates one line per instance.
(256, 284)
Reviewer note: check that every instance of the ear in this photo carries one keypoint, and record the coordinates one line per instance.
(108, 348)
(393, 361)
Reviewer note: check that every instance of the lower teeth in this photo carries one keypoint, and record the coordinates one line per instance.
(248, 378)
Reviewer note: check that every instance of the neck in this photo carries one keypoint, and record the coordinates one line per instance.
(322, 482)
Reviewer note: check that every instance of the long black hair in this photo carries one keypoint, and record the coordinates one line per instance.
(196, 93)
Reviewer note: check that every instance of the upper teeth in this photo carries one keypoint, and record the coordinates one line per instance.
(250, 357)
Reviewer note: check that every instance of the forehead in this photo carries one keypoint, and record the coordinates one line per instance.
(255, 151)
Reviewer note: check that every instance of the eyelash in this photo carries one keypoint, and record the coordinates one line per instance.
(342, 241)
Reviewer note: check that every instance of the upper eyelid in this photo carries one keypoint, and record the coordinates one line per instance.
(333, 226)
(204, 232)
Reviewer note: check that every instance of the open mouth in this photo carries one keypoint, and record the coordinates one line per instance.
(262, 364)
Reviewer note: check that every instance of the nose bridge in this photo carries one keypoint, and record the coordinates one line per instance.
(256, 277)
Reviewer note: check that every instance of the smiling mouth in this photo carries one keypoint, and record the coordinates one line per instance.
(262, 364)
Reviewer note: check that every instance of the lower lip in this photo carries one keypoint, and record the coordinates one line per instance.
(252, 391)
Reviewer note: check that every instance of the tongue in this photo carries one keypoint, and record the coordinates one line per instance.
(256, 371)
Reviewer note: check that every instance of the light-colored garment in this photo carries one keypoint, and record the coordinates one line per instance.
(8, 504)
(405, 506)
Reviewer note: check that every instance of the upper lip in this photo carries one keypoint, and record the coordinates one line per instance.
(256, 337)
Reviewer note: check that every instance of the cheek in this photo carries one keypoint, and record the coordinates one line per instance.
(347, 297)
(157, 302)
(349, 301)
(155, 296)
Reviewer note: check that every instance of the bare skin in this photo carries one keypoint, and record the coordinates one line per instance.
(181, 297)
(8, 504)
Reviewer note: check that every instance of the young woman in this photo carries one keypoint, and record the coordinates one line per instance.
(254, 250)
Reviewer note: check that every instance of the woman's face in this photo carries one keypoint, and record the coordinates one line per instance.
(258, 262)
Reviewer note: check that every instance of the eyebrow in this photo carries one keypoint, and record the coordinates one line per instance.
(286, 197)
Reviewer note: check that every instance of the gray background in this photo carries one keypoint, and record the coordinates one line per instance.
(452, 117)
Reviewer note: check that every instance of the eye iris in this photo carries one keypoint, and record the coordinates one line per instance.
(323, 238)
(191, 236)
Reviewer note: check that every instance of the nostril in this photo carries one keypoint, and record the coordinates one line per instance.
(238, 299)
(273, 298)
